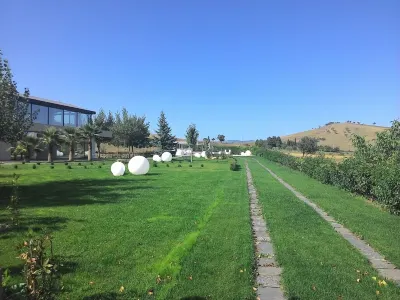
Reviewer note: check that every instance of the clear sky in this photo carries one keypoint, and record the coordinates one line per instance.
(246, 69)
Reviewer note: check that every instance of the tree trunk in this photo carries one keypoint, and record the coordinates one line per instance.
(89, 150)
(71, 153)
(98, 148)
(50, 154)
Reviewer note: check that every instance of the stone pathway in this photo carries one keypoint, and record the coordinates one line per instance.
(268, 272)
(385, 268)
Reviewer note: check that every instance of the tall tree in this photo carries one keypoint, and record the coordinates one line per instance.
(308, 145)
(117, 131)
(164, 137)
(15, 117)
(71, 137)
(51, 137)
(192, 135)
(88, 133)
(102, 122)
(221, 137)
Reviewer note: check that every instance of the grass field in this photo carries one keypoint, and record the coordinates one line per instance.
(188, 225)
(362, 217)
(317, 262)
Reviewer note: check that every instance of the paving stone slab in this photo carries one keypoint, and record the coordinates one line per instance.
(265, 248)
(270, 293)
(269, 281)
(269, 271)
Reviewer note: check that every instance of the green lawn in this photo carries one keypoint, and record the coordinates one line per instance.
(188, 225)
(317, 262)
(376, 226)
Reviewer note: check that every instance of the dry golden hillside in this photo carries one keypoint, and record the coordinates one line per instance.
(338, 134)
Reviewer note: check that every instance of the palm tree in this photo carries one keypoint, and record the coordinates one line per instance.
(52, 138)
(88, 132)
(71, 137)
(26, 147)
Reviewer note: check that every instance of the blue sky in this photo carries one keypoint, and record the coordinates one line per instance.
(247, 69)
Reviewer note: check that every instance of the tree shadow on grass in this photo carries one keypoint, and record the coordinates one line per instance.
(75, 192)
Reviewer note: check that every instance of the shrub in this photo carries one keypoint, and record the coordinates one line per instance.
(79, 164)
(154, 164)
(91, 163)
(38, 163)
(51, 167)
(85, 167)
(66, 163)
(23, 162)
(100, 167)
(179, 166)
(15, 166)
(33, 166)
(167, 165)
(104, 163)
(69, 167)
(52, 163)
(190, 165)
(234, 165)
(202, 165)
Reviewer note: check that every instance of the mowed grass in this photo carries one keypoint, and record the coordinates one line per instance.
(317, 262)
(370, 222)
(173, 233)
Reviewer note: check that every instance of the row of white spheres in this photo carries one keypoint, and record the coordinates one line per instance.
(138, 165)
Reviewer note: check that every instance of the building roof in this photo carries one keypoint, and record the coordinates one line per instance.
(58, 104)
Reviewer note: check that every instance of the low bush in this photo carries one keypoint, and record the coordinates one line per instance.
(154, 164)
(69, 167)
(33, 166)
(15, 166)
(79, 164)
(202, 165)
(100, 167)
(190, 165)
(52, 163)
(85, 167)
(51, 167)
(167, 165)
(66, 163)
(179, 166)
(38, 163)
(233, 165)
(91, 163)
(23, 162)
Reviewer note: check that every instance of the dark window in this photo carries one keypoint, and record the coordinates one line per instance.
(82, 119)
(55, 116)
(70, 118)
(42, 114)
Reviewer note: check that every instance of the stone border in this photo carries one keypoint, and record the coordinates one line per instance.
(268, 272)
(385, 268)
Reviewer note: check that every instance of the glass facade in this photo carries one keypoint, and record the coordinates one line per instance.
(56, 116)
(42, 114)
(70, 118)
(82, 119)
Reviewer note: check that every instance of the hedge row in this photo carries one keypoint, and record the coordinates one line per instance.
(380, 181)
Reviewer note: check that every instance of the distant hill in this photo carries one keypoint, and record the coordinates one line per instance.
(338, 134)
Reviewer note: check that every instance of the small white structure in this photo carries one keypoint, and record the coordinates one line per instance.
(197, 155)
(203, 154)
(138, 165)
(118, 168)
(156, 158)
(166, 156)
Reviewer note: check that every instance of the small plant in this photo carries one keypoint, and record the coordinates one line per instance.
(52, 163)
(179, 166)
(167, 165)
(85, 167)
(202, 165)
(99, 167)
(190, 165)
(234, 166)
(51, 167)
(91, 163)
(33, 166)
(15, 166)
(66, 163)
(154, 164)
(104, 163)
(38, 163)
(42, 279)
(79, 164)
(14, 201)
(69, 167)
(23, 162)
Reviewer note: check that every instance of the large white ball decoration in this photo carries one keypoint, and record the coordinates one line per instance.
(156, 158)
(203, 154)
(178, 152)
(242, 154)
(248, 153)
(166, 156)
(118, 168)
(59, 153)
(138, 165)
(198, 155)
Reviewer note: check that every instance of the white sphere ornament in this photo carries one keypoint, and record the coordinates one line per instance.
(166, 156)
(138, 165)
(248, 153)
(118, 168)
(203, 154)
(178, 152)
(156, 158)
(198, 155)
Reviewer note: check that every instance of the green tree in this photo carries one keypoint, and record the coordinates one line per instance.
(164, 137)
(192, 135)
(26, 147)
(71, 137)
(15, 117)
(221, 137)
(88, 133)
(117, 131)
(52, 138)
(308, 145)
(102, 122)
